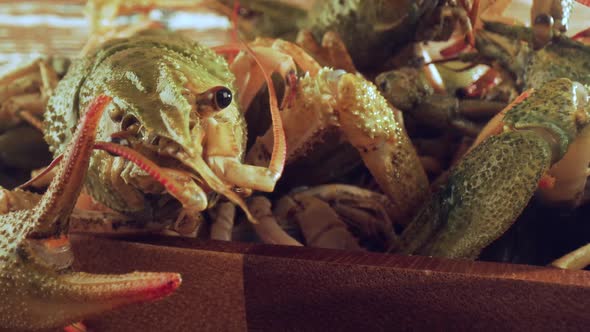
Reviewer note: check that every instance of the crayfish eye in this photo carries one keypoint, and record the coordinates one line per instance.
(223, 97)
(214, 99)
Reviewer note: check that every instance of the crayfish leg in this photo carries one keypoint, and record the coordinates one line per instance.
(223, 221)
(322, 227)
(267, 227)
(332, 51)
(575, 260)
(24, 93)
(372, 127)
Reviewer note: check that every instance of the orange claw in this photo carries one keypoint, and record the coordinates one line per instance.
(35, 295)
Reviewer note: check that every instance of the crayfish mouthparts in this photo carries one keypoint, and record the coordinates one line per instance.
(182, 185)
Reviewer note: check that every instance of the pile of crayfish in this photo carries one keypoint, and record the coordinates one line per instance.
(334, 127)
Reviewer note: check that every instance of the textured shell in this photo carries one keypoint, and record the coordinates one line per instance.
(130, 71)
(553, 108)
(563, 58)
(509, 45)
(484, 195)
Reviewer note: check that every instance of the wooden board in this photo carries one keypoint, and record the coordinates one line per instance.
(235, 286)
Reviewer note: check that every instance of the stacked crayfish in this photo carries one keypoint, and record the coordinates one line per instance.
(373, 145)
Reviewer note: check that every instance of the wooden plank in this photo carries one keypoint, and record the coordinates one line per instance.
(264, 287)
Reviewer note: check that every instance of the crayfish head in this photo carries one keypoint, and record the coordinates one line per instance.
(164, 86)
(175, 127)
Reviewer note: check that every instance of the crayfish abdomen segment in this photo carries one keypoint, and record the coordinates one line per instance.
(485, 194)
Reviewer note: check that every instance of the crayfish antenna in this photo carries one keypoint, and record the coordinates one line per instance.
(43, 173)
(279, 148)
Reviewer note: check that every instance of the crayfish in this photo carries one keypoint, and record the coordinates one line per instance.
(173, 145)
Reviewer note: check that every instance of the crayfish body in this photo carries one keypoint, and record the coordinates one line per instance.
(173, 105)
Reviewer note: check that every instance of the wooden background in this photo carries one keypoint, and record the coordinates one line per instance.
(29, 29)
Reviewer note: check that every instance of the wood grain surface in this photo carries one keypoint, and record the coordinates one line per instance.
(34, 29)
(236, 286)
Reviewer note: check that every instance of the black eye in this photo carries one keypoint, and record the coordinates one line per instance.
(213, 100)
(223, 98)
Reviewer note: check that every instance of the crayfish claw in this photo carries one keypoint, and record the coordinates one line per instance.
(36, 287)
(54, 300)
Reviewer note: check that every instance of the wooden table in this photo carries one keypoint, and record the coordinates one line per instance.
(236, 286)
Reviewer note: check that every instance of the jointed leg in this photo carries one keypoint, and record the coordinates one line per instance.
(575, 260)
(223, 221)
(24, 93)
(332, 51)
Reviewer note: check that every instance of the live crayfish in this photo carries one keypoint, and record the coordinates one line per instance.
(571, 67)
(371, 31)
(182, 122)
(485, 192)
(347, 101)
(188, 87)
(527, 63)
(174, 105)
